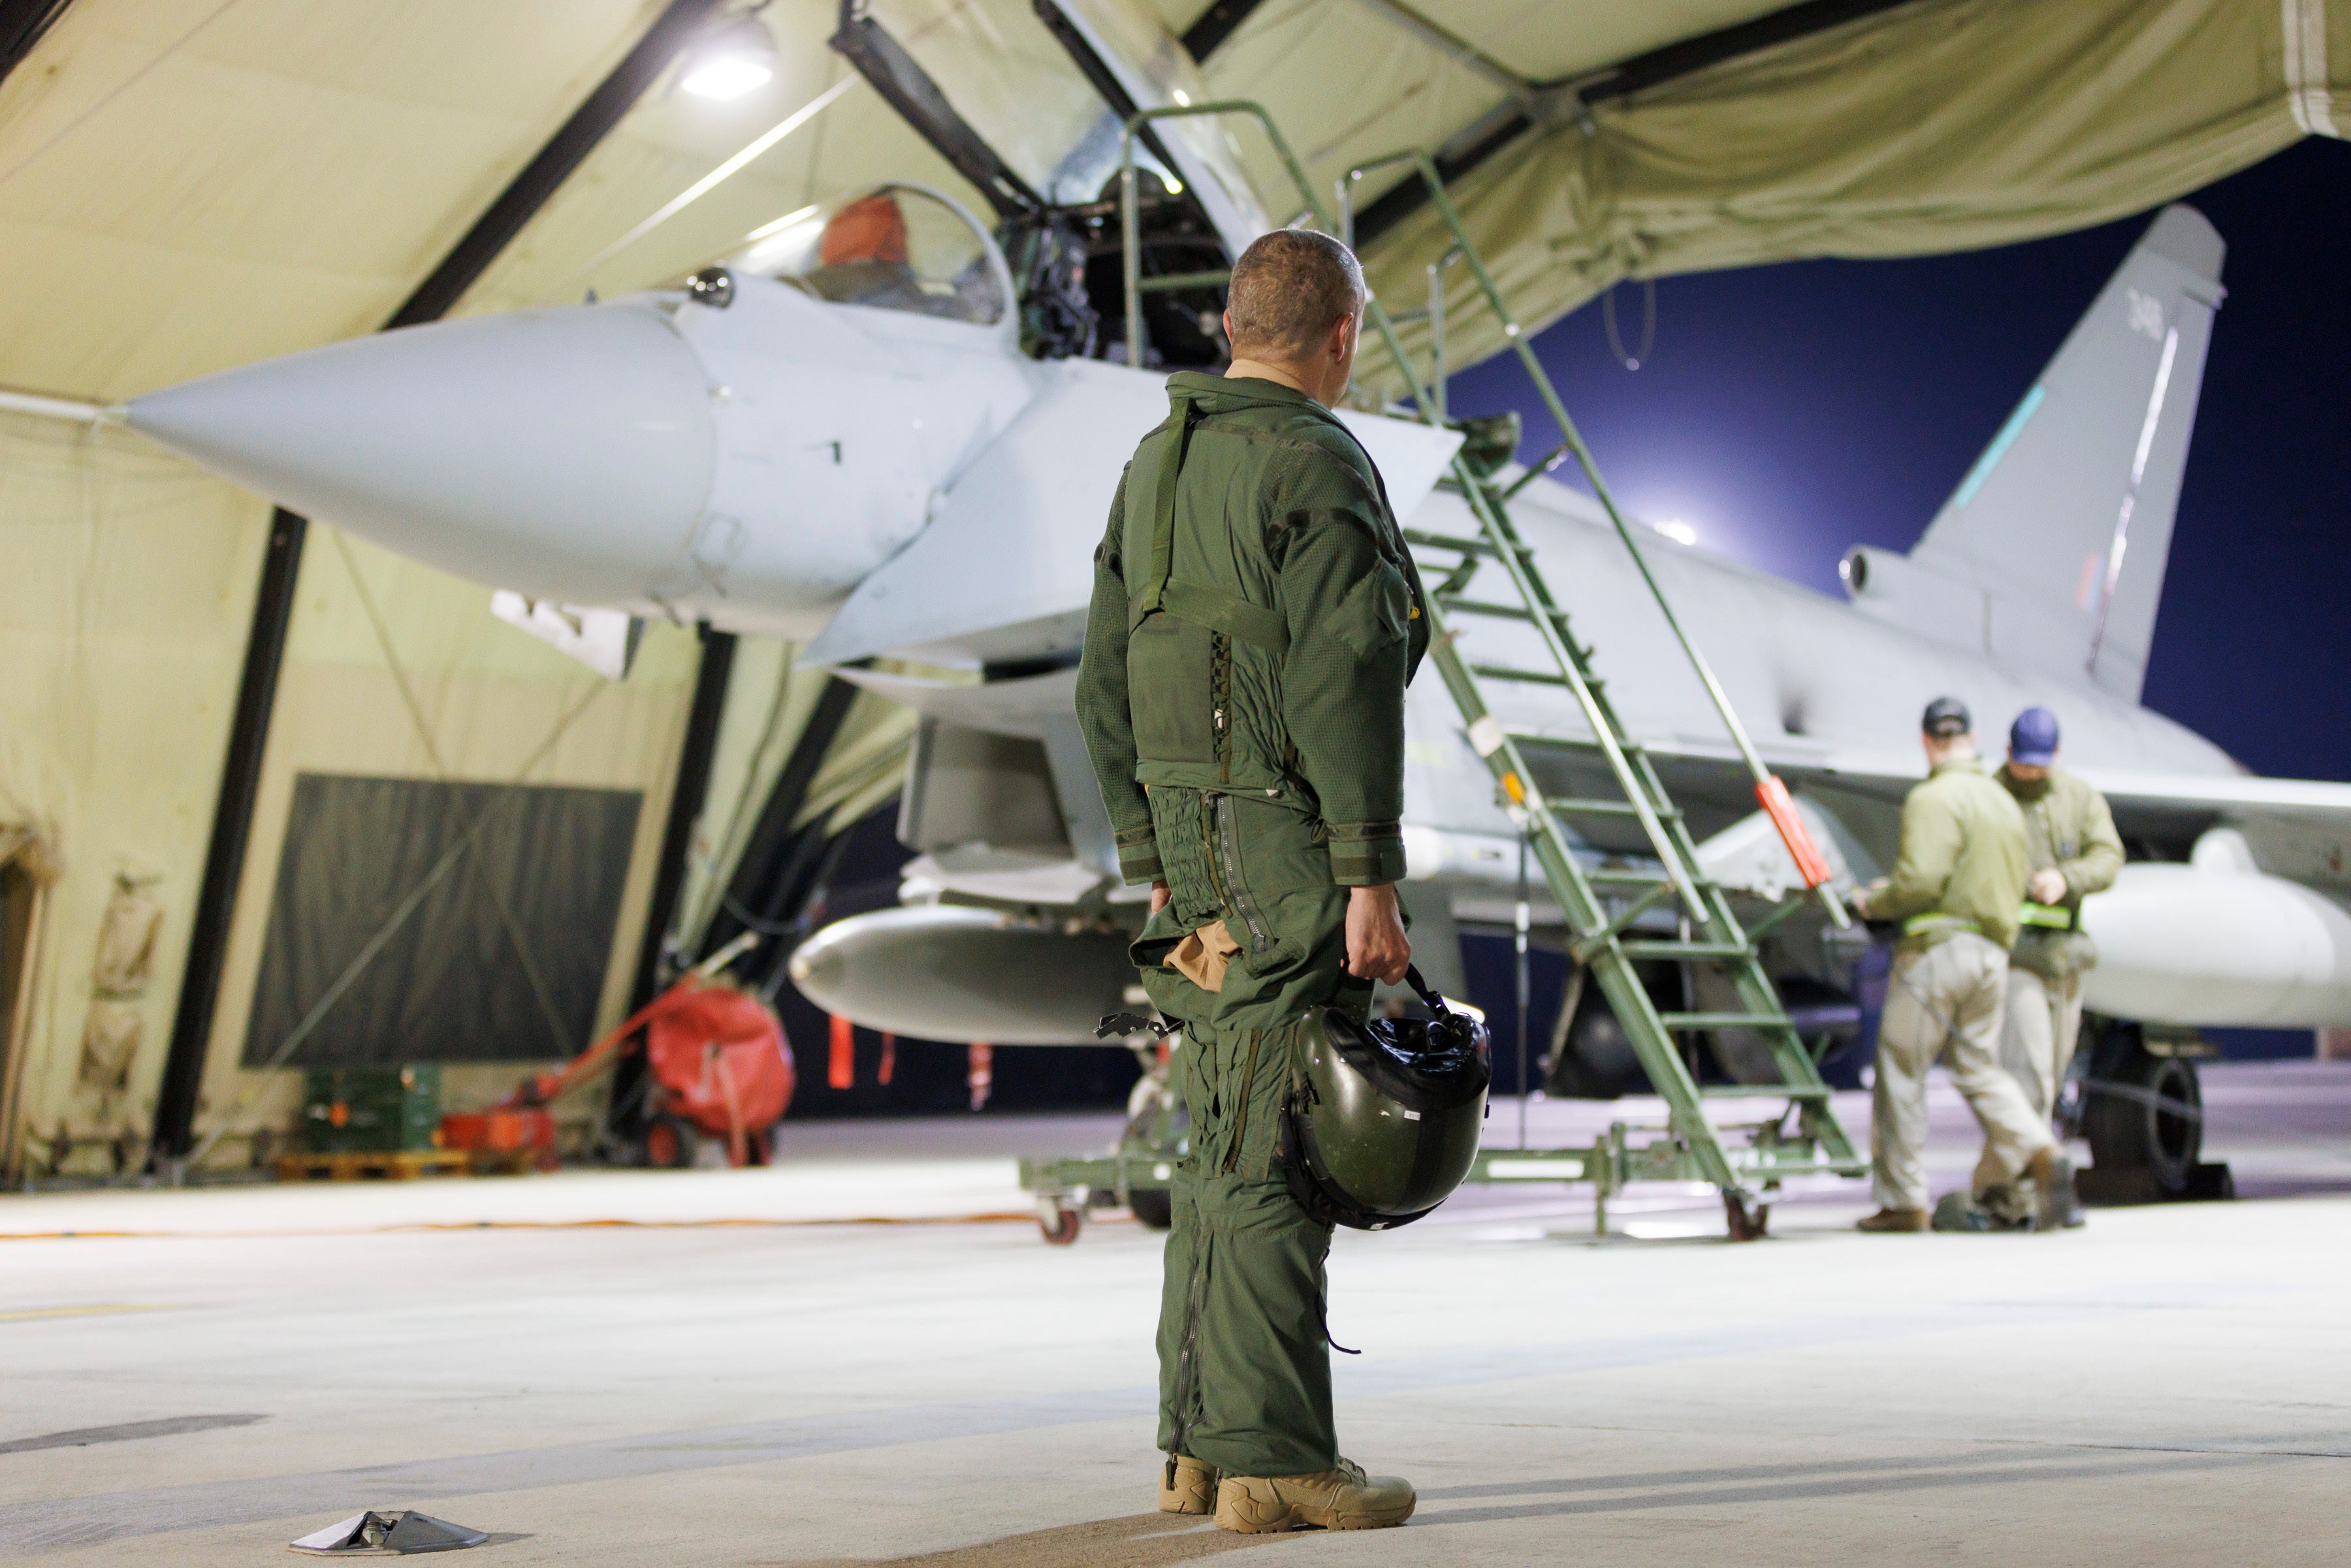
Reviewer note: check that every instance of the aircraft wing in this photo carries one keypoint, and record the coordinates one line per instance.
(2294, 828)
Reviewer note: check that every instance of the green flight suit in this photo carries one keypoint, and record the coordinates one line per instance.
(1255, 620)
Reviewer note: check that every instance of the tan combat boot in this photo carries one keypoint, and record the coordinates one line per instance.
(1344, 1498)
(1186, 1486)
(1888, 1220)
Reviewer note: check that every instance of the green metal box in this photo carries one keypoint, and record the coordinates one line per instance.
(371, 1110)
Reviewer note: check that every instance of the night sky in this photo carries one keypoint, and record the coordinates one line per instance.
(1787, 412)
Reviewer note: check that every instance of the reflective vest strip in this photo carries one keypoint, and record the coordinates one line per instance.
(1919, 925)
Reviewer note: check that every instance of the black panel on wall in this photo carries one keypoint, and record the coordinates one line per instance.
(460, 979)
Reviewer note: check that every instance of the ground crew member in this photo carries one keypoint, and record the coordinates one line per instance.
(1255, 619)
(1957, 889)
(2076, 851)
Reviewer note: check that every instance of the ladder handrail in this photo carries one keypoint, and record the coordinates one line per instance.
(1601, 925)
(1574, 437)
(1427, 402)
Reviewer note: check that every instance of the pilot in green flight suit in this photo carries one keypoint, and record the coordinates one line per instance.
(2070, 835)
(1255, 620)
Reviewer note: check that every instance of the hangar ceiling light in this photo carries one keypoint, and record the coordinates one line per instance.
(737, 57)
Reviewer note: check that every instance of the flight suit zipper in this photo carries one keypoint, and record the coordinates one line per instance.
(1228, 850)
(1220, 703)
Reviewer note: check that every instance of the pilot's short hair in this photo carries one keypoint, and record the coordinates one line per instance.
(1290, 288)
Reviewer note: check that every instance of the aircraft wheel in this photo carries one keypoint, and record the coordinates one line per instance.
(1060, 1225)
(2155, 1123)
(671, 1144)
(1154, 1207)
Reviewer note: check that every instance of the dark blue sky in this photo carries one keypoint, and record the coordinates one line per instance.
(1789, 411)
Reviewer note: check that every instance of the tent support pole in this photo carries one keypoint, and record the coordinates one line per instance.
(249, 735)
(686, 801)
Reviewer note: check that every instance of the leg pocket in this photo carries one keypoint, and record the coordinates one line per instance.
(1170, 671)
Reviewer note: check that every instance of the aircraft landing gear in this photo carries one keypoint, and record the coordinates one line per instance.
(2142, 1110)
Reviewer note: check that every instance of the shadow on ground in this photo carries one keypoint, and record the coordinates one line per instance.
(1138, 1540)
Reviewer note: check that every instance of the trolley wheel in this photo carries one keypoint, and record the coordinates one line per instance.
(1154, 1207)
(1746, 1224)
(671, 1143)
(1060, 1225)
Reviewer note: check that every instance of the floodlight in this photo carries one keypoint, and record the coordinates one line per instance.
(732, 60)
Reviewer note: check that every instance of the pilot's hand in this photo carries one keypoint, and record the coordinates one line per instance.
(1377, 947)
(2047, 886)
(1159, 896)
(1858, 901)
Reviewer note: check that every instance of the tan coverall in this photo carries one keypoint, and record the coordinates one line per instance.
(2067, 829)
(1957, 887)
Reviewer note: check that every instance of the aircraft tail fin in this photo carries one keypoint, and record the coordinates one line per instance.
(2064, 522)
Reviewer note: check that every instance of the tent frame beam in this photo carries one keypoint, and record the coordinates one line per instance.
(22, 25)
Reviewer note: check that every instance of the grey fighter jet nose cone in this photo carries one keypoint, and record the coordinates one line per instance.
(531, 450)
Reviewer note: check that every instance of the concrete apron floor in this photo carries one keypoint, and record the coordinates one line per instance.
(2169, 1385)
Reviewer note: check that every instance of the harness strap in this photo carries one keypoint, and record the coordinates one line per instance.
(2053, 917)
(1229, 613)
(1182, 413)
(1195, 601)
(1936, 921)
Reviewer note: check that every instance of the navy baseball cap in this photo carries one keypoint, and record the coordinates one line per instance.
(1945, 717)
(2032, 738)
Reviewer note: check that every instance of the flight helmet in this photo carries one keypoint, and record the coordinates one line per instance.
(1387, 1116)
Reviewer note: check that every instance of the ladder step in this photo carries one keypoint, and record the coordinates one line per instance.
(1504, 672)
(1723, 1020)
(1454, 605)
(1629, 746)
(1685, 949)
(1573, 807)
(1611, 876)
(1766, 1092)
(1461, 543)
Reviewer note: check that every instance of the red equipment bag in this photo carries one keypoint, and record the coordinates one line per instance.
(720, 1054)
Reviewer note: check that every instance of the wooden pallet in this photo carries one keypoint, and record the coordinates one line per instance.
(398, 1165)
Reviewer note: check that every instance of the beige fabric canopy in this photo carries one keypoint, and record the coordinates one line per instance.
(187, 185)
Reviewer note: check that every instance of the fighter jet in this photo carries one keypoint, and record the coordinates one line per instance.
(892, 430)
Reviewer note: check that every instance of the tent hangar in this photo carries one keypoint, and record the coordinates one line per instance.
(218, 708)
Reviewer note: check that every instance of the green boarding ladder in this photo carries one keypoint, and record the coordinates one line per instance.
(1602, 906)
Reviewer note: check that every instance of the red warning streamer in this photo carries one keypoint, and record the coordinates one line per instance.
(840, 1072)
(1793, 833)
